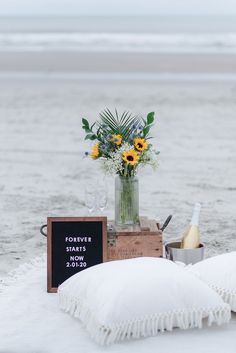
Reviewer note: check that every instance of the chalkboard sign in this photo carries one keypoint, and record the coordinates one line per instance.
(74, 244)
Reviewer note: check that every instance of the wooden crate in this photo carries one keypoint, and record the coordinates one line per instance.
(134, 241)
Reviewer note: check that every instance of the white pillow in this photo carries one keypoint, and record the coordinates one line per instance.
(220, 273)
(138, 297)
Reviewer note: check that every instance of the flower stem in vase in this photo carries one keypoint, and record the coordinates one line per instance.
(126, 200)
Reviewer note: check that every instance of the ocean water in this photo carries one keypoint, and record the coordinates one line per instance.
(166, 34)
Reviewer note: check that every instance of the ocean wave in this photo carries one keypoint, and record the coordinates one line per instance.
(120, 42)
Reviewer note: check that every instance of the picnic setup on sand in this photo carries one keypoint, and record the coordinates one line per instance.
(114, 282)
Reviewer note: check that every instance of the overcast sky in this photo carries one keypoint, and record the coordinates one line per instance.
(119, 7)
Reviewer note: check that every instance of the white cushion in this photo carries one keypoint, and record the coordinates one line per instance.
(220, 273)
(139, 297)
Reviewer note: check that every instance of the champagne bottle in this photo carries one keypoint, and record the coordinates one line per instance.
(191, 237)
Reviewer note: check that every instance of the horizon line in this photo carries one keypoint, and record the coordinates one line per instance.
(117, 15)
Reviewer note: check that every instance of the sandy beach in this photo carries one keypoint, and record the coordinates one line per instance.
(72, 61)
(56, 70)
(43, 172)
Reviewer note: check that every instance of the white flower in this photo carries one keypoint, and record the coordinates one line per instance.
(149, 157)
(114, 164)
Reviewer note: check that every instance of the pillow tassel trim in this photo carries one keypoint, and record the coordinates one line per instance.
(143, 327)
(227, 296)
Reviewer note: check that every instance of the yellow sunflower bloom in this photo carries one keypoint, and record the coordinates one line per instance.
(140, 144)
(130, 157)
(95, 151)
(117, 139)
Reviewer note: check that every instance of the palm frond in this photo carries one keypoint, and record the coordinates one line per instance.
(123, 116)
(115, 124)
(108, 119)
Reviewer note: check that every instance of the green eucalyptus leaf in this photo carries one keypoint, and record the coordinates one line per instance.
(87, 137)
(150, 118)
(85, 122)
(146, 131)
(93, 137)
(90, 137)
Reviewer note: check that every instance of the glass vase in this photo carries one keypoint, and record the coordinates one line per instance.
(126, 201)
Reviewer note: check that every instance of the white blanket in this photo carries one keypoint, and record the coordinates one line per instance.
(31, 322)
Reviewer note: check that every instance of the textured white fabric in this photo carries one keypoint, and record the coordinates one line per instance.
(220, 273)
(31, 322)
(139, 297)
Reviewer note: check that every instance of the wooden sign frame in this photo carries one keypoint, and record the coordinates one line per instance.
(50, 221)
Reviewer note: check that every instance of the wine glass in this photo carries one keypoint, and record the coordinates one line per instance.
(90, 198)
(101, 198)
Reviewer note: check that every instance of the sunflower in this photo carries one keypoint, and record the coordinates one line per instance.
(130, 157)
(117, 139)
(140, 144)
(95, 151)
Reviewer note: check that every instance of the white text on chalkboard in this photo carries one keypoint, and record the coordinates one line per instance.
(78, 239)
(75, 248)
